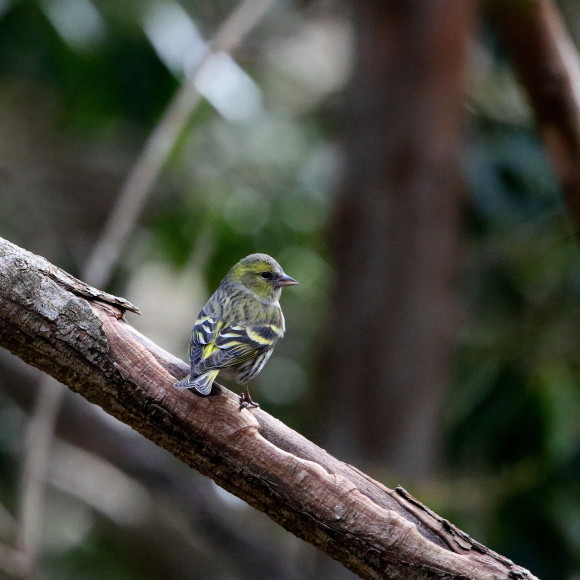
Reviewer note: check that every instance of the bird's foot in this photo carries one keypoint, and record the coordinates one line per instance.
(246, 401)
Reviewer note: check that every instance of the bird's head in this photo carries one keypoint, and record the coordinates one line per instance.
(262, 275)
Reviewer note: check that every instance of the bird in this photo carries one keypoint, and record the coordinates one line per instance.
(236, 331)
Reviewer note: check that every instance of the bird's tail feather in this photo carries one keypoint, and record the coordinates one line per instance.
(201, 383)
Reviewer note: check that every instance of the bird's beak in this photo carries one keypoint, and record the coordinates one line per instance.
(285, 281)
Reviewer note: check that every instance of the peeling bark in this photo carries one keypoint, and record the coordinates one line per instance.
(80, 337)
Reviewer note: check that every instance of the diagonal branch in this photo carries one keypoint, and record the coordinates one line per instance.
(87, 345)
(162, 141)
(546, 62)
(104, 256)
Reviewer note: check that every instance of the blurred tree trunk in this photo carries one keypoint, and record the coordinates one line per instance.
(395, 235)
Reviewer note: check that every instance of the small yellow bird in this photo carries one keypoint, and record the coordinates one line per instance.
(236, 331)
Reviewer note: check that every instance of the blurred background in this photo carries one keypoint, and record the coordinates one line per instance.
(384, 153)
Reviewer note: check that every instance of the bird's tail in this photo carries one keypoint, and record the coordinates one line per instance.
(201, 383)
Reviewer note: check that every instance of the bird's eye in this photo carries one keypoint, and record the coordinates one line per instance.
(267, 275)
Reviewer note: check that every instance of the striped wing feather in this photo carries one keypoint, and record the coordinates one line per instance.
(216, 345)
(234, 345)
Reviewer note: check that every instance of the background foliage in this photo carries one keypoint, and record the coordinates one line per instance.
(82, 83)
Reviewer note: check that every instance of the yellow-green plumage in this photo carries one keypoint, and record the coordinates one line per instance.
(236, 331)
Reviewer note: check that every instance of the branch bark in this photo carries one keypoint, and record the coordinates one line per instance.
(546, 62)
(78, 335)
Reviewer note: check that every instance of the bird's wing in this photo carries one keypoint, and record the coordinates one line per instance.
(232, 345)
(202, 335)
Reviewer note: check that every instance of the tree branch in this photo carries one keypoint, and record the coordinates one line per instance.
(162, 140)
(546, 62)
(104, 255)
(80, 337)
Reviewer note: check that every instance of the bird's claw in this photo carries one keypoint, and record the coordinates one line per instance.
(246, 401)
